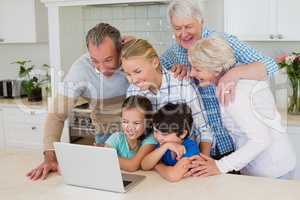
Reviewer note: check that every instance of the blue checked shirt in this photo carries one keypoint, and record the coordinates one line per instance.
(176, 91)
(244, 54)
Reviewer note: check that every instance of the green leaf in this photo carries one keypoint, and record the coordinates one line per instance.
(46, 66)
(22, 72)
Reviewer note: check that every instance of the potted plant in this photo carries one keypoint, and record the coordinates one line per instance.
(32, 83)
(291, 63)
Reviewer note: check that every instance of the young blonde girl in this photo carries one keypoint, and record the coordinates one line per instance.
(137, 139)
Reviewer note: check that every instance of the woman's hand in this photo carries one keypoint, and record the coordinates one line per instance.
(202, 166)
(226, 87)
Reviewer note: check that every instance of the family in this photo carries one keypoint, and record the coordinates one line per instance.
(202, 108)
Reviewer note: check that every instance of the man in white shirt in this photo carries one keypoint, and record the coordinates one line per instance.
(96, 77)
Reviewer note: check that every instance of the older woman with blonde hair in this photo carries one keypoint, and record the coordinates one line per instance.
(188, 26)
(262, 145)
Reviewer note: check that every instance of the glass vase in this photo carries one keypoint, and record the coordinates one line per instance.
(294, 99)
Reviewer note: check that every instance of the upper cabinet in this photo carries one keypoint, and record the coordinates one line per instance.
(23, 21)
(99, 2)
(263, 20)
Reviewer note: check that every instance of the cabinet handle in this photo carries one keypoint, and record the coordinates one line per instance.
(272, 36)
(280, 36)
(33, 128)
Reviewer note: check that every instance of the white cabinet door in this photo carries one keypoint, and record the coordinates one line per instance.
(19, 21)
(24, 136)
(294, 134)
(249, 20)
(2, 136)
(288, 20)
(23, 127)
(263, 20)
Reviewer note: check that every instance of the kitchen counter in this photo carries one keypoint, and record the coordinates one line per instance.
(293, 120)
(22, 102)
(15, 186)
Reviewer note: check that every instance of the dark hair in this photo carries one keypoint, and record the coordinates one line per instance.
(145, 105)
(174, 118)
(97, 34)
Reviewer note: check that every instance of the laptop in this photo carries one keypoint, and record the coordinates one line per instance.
(93, 167)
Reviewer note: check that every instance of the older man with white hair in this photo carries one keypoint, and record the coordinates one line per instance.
(188, 25)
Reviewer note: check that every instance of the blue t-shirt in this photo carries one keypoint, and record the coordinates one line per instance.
(119, 142)
(191, 148)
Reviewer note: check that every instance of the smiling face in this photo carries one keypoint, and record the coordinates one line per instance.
(142, 72)
(133, 123)
(105, 57)
(205, 76)
(187, 30)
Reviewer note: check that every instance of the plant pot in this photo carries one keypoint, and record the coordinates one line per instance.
(294, 99)
(36, 95)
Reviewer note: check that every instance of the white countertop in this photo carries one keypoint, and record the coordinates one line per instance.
(15, 186)
(23, 102)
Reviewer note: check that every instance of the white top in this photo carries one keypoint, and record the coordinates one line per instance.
(15, 186)
(83, 80)
(262, 145)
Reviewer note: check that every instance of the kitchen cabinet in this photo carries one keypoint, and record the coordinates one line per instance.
(23, 21)
(262, 20)
(294, 134)
(2, 136)
(100, 2)
(23, 126)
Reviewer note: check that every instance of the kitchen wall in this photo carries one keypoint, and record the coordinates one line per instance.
(38, 53)
(148, 22)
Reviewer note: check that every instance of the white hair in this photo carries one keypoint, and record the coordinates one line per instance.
(212, 53)
(184, 8)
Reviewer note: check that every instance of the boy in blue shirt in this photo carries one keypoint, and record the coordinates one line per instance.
(172, 125)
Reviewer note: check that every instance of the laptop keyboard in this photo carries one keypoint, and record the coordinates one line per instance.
(125, 183)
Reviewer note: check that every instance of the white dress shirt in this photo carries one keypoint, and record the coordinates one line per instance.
(262, 144)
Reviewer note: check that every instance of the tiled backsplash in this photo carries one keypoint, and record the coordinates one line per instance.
(147, 21)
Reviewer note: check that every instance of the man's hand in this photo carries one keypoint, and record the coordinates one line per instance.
(202, 166)
(178, 149)
(180, 71)
(226, 87)
(48, 165)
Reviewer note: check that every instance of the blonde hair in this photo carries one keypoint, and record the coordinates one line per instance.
(138, 48)
(212, 53)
